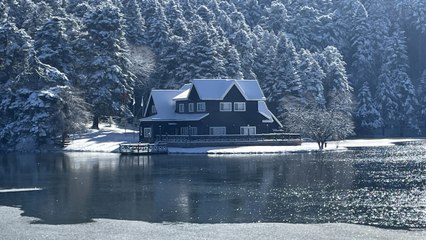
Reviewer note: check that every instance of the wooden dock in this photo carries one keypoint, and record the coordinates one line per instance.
(144, 148)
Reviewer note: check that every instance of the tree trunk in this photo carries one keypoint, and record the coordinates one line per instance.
(320, 145)
(95, 124)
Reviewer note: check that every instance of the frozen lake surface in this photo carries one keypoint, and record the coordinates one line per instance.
(379, 186)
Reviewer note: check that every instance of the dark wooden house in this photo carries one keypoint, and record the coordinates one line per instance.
(208, 107)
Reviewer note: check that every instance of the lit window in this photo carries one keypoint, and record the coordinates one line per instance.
(181, 107)
(201, 107)
(239, 106)
(225, 107)
(190, 107)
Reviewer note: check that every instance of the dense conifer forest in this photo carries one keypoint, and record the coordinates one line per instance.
(65, 63)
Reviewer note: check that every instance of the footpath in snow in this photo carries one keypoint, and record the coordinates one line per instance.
(108, 139)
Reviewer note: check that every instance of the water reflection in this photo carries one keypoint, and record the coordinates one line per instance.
(370, 188)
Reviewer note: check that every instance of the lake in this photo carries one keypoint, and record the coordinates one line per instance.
(378, 186)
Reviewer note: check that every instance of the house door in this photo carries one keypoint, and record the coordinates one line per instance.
(249, 130)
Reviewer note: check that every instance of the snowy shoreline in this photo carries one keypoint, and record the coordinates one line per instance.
(108, 139)
(15, 226)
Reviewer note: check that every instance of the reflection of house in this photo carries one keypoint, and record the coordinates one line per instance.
(208, 107)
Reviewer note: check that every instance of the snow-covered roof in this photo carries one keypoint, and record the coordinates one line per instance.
(165, 106)
(183, 95)
(264, 110)
(175, 117)
(216, 89)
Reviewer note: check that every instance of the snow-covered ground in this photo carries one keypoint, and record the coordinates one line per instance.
(13, 226)
(107, 139)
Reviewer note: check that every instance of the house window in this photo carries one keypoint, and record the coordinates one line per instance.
(153, 109)
(225, 107)
(190, 107)
(181, 107)
(184, 131)
(249, 130)
(188, 131)
(217, 130)
(147, 132)
(201, 107)
(193, 131)
(239, 106)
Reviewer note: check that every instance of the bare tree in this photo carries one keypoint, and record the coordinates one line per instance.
(320, 124)
(142, 64)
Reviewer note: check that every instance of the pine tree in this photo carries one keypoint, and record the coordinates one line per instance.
(386, 99)
(286, 81)
(276, 18)
(242, 40)
(336, 86)
(264, 60)
(157, 34)
(109, 83)
(33, 104)
(35, 19)
(232, 62)
(303, 27)
(53, 47)
(362, 65)
(135, 23)
(311, 78)
(200, 58)
(367, 114)
(396, 60)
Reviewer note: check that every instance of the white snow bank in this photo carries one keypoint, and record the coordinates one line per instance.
(305, 147)
(13, 226)
(106, 139)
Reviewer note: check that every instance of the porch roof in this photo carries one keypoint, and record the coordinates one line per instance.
(175, 117)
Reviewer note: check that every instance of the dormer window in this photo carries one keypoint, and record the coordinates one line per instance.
(239, 106)
(153, 109)
(225, 107)
(181, 107)
(190, 107)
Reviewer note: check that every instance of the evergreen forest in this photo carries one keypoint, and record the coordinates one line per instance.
(67, 63)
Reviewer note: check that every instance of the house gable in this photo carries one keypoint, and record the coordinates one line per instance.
(193, 94)
(234, 94)
(149, 105)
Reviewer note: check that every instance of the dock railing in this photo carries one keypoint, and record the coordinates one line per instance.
(293, 138)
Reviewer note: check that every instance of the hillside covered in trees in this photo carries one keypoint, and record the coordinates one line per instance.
(66, 63)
